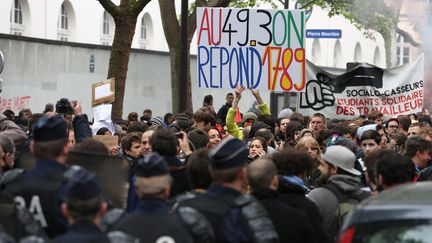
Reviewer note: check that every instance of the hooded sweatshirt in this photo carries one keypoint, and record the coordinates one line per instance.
(327, 201)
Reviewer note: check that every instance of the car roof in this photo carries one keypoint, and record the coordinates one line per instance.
(405, 202)
(419, 193)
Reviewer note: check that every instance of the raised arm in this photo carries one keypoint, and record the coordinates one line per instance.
(238, 91)
(232, 127)
(264, 109)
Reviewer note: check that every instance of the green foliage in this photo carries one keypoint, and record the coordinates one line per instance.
(251, 3)
(363, 14)
(242, 3)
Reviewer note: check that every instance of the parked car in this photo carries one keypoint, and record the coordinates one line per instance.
(401, 214)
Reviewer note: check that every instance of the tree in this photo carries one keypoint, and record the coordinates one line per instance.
(379, 15)
(125, 17)
(172, 30)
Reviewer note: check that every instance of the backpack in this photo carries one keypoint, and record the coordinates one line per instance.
(346, 203)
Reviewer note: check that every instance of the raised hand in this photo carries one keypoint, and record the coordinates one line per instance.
(257, 95)
(239, 89)
(255, 92)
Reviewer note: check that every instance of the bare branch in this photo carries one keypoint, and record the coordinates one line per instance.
(170, 24)
(139, 6)
(110, 7)
(202, 3)
(192, 24)
(407, 36)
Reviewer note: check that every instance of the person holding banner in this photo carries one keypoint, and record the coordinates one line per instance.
(232, 127)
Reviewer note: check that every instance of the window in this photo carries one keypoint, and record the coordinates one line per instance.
(357, 53)
(415, 230)
(146, 31)
(16, 19)
(143, 29)
(16, 13)
(316, 49)
(402, 51)
(105, 29)
(337, 54)
(377, 57)
(63, 24)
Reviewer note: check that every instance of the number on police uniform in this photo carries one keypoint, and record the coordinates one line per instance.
(35, 208)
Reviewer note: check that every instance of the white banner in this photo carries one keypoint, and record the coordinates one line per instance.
(393, 92)
(258, 48)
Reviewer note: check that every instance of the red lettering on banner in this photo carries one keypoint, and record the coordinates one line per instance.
(347, 111)
(15, 104)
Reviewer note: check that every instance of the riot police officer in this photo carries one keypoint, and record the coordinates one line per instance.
(83, 208)
(152, 220)
(234, 217)
(39, 189)
(17, 222)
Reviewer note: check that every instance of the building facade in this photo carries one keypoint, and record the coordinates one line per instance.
(77, 21)
(86, 22)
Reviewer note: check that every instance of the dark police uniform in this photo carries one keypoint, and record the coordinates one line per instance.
(82, 188)
(82, 233)
(152, 221)
(39, 190)
(16, 221)
(234, 217)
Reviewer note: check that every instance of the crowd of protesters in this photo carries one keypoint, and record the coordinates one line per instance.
(207, 176)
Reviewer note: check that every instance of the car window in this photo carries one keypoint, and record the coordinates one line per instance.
(417, 231)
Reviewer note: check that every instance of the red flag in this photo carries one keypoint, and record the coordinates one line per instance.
(238, 117)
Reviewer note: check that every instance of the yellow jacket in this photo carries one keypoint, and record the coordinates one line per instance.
(232, 127)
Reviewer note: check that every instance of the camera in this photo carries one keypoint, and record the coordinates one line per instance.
(63, 106)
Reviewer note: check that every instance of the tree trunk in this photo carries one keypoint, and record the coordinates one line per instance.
(119, 60)
(172, 30)
(175, 58)
(390, 47)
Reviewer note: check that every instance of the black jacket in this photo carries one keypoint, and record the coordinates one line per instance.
(295, 196)
(222, 113)
(291, 224)
(82, 233)
(41, 190)
(425, 174)
(233, 216)
(152, 221)
(179, 174)
(81, 128)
